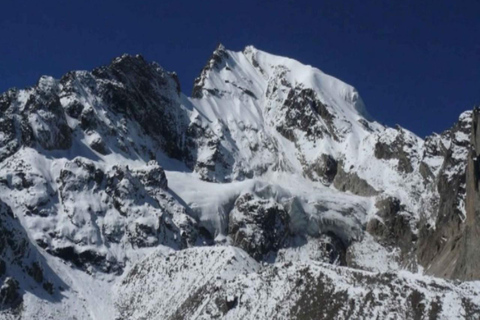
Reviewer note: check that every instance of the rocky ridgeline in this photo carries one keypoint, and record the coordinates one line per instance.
(232, 285)
(81, 180)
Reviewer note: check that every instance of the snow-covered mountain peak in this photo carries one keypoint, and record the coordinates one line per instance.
(47, 83)
(268, 106)
(115, 170)
(249, 74)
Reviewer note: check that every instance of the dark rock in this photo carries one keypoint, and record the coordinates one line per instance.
(99, 145)
(13, 239)
(350, 181)
(258, 226)
(392, 226)
(324, 169)
(153, 176)
(303, 111)
(231, 303)
(449, 249)
(334, 248)
(47, 118)
(9, 295)
(397, 150)
(74, 109)
(3, 268)
(152, 102)
(48, 286)
(36, 272)
(88, 119)
(86, 258)
(8, 137)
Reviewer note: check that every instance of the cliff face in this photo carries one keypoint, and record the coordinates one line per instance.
(469, 258)
(449, 247)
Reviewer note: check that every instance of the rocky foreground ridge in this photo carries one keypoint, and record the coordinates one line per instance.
(270, 193)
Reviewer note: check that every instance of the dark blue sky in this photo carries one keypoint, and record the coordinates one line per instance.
(415, 63)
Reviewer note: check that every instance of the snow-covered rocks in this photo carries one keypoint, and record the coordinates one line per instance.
(117, 182)
(117, 208)
(21, 266)
(224, 283)
(173, 286)
(258, 226)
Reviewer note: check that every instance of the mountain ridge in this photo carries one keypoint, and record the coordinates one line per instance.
(277, 161)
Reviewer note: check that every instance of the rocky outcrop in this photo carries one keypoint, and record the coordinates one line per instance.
(129, 207)
(258, 226)
(47, 117)
(14, 130)
(325, 169)
(392, 227)
(467, 265)
(211, 158)
(93, 214)
(9, 295)
(303, 111)
(88, 210)
(216, 61)
(434, 153)
(350, 181)
(401, 148)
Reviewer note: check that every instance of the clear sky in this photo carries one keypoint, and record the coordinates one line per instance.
(415, 63)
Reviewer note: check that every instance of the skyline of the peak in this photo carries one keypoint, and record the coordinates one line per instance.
(413, 64)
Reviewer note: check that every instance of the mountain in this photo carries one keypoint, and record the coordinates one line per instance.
(269, 193)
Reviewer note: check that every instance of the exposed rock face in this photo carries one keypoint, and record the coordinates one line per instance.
(216, 61)
(392, 227)
(145, 93)
(350, 181)
(324, 170)
(452, 248)
(258, 226)
(467, 266)
(134, 211)
(401, 148)
(448, 243)
(303, 110)
(46, 116)
(113, 105)
(9, 296)
(94, 214)
(17, 256)
(212, 159)
(33, 115)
